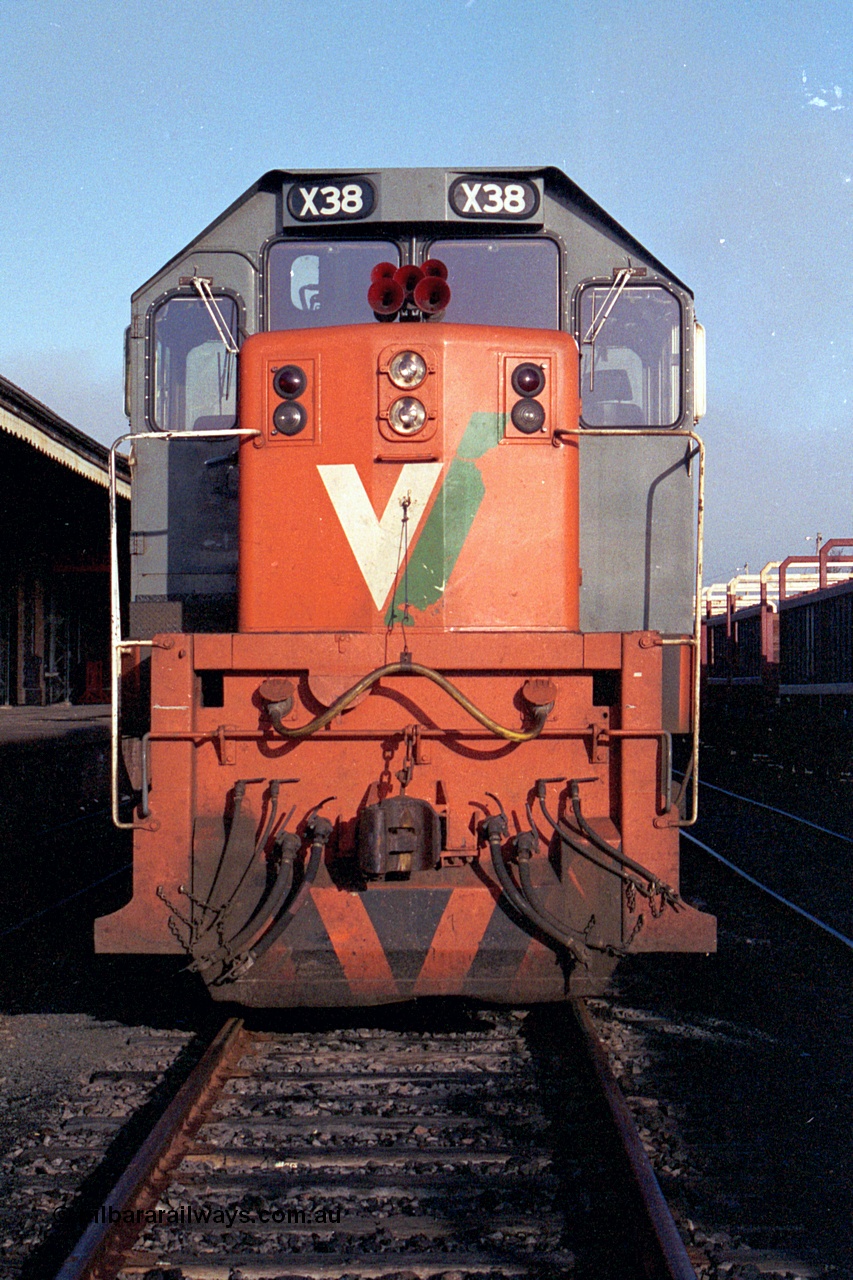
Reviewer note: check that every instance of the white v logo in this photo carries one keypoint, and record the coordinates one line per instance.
(376, 543)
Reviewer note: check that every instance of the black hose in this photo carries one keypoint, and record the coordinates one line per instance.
(266, 909)
(208, 905)
(574, 946)
(652, 884)
(570, 838)
(320, 829)
(657, 885)
(277, 929)
(531, 895)
(229, 898)
(275, 787)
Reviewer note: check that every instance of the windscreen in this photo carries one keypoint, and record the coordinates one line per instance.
(502, 282)
(314, 285)
(630, 356)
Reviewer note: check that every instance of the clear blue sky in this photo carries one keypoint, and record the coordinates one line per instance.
(721, 135)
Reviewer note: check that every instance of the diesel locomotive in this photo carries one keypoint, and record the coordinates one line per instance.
(413, 619)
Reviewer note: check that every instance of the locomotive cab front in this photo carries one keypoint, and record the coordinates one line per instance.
(429, 755)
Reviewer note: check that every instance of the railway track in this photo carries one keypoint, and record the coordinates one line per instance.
(486, 1151)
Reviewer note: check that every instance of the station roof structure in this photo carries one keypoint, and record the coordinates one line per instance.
(26, 418)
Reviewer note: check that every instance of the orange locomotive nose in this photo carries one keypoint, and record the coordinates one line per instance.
(372, 495)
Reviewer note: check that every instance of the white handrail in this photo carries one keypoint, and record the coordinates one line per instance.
(117, 644)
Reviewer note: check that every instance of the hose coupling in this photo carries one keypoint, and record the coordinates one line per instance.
(526, 845)
(288, 845)
(494, 828)
(319, 829)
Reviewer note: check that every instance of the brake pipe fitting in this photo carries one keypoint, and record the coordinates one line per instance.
(494, 829)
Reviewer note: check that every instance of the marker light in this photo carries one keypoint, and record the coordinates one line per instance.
(289, 418)
(528, 416)
(407, 369)
(407, 415)
(290, 382)
(528, 380)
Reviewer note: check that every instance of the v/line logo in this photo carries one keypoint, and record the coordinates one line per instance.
(375, 541)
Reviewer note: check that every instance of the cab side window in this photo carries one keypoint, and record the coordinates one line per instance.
(630, 341)
(194, 375)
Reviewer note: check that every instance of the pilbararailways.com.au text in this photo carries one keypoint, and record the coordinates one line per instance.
(206, 1216)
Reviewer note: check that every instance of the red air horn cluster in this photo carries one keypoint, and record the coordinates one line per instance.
(408, 290)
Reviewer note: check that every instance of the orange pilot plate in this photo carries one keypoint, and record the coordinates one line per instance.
(363, 501)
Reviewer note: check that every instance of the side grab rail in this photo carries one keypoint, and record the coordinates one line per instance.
(695, 642)
(117, 644)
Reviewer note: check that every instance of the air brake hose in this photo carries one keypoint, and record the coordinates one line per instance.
(572, 840)
(209, 906)
(275, 787)
(525, 842)
(320, 830)
(278, 710)
(592, 835)
(653, 884)
(266, 909)
(225, 907)
(494, 829)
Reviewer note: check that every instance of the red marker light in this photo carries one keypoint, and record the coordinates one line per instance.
(528, 379)
(290, 382)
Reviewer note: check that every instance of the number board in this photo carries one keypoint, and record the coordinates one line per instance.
(493, 198)
(320, 200)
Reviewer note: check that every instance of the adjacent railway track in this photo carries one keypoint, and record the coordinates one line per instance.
(797, 855)
(493, 1151)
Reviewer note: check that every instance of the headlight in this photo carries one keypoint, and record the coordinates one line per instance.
(407, 415)
(407, 369)
(528, 416)
(289, 418)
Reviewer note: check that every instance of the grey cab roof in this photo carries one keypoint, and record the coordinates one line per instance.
(426, 181)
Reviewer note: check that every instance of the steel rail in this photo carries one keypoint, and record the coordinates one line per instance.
(99, 1252)
(663, 1255)
(105, 1248)
(783, 813)
(821, 924)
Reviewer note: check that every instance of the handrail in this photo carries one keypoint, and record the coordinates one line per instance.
(823, 558)
(117, 644)
(696, 642)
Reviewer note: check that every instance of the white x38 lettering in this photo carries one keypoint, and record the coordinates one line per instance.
(497, 197)
(347, 199)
